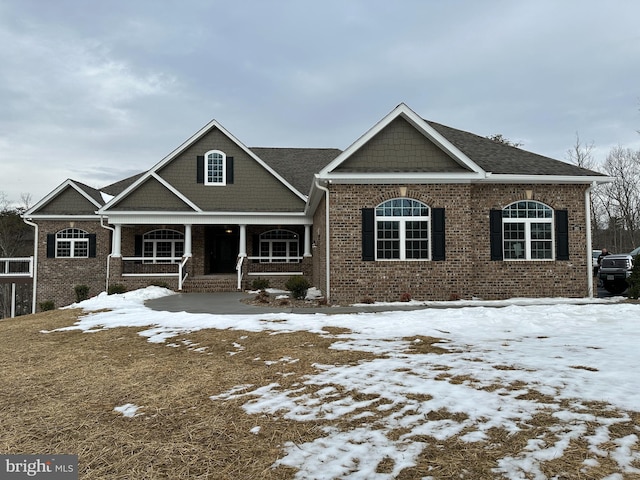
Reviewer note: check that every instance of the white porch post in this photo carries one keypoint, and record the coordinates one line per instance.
(242, 250)
(187, 241)
(13, 300)
(307, 240)
(116, 247)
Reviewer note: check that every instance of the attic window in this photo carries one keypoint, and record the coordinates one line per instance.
(215, 168)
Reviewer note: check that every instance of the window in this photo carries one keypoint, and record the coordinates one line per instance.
(72, 243)
(215, 164)
(527, 231)
(402, 230)
(279, 246)
(163, 246)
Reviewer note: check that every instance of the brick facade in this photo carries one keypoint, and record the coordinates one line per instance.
(467, 271)
(58, 277)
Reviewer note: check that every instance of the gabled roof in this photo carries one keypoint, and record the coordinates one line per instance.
(139, 180)
(90, 194)
(481, 159)
(403, 111)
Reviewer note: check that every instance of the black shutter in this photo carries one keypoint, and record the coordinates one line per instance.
(200, 169)
(562, 234)
(495, 228)
(92, 245)
(437, 234)
(137, 249)
(229, 170)
(51, 245)
(368, 234)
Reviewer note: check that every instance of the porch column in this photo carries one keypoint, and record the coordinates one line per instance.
(242, 249)
(307, 240)
(116, 246)
(187, 241)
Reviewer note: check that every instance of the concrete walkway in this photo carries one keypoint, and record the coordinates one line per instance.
(231, 303)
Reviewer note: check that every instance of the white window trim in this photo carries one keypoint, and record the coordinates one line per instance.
(224, 168)
(403, 233)
(154, 242)
(289, 258)
(527, 235)
(72, 242)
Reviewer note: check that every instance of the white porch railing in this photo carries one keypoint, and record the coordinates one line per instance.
(16, 267)
(239, 270)
(182, 272)
(156, 267)
(15, 270)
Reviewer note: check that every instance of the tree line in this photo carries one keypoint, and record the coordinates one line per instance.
(615, 207)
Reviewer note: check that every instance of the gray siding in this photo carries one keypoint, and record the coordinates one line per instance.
(152, 195)
(68, 202)
(254, 188)
(400, 147)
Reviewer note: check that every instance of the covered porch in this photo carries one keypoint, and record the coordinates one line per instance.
(208, 257)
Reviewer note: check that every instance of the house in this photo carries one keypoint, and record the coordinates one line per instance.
(411, 207)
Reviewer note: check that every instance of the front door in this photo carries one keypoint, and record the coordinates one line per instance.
(222, 247)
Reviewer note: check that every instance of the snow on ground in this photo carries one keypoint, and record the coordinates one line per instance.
(570, 352)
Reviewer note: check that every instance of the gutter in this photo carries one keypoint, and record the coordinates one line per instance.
(587, 208)
(108, 256)
(327, 245)
(35, 262)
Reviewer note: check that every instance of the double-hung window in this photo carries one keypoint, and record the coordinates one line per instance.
(163, 246)
(72, 243)
(279, 246)
(402, 230)
(215, 165)
(528, 232)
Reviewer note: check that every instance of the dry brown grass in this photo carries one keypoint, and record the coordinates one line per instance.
(58, 392)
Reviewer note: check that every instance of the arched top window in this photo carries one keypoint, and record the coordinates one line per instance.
(163, 234)
(402, 207)
(279, 246)
(528, 232)
(215, 164)
(402, 230)
(527, 209)
(74, 243)
(163, 246)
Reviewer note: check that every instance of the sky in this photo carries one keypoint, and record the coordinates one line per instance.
(98, 91)
(505, 362)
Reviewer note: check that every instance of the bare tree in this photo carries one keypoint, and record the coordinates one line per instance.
(581, 154)
(622, 197)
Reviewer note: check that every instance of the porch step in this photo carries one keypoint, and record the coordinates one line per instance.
(211, 283)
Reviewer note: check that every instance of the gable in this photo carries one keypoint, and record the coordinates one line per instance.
(399, 147)
(254, 187)
(68, 201)
(152, 195)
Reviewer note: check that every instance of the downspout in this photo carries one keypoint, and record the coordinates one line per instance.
(327, 245)
(587, 204)
(113, 230)
(35, 262)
